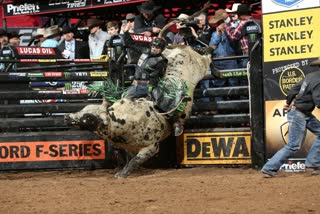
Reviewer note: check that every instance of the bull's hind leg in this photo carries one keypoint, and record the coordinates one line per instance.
(142, 156)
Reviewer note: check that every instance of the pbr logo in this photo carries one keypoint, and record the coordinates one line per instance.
(287, 3)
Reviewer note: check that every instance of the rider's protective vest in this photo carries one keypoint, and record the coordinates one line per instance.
(150, 68)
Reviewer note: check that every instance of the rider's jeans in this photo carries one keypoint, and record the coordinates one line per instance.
(298, 124)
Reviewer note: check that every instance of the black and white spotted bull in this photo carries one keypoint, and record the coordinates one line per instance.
(137, 126)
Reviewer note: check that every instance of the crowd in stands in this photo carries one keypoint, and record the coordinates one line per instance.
(223, 32)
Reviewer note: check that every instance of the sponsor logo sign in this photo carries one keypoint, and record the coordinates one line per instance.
(53, 74)
(22, 9)
(294, 165)
(272, 6)
(98, 74)
(289, 78)
(142, 38)
(234, 73)
(35, 75)
(52, 151)
(50, 92)
(67, 4)
(292, 35)
(287, 3)
(58, 6)
(17, 74)
(215, 148)
(35, 51)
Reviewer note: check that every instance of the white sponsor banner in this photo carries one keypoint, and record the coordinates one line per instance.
(272, 6)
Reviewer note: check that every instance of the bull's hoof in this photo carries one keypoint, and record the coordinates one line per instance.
(121, 174)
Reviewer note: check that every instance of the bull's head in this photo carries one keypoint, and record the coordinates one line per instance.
(89, 118)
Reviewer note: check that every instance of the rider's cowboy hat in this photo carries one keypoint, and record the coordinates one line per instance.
(218, 16)
(52, 31)
(148, 7)
(315, 63)
(234, 8)
(91, 23)
(243, 9)
(39, 33)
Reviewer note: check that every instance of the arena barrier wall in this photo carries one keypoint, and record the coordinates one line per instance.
(35, 94)
(33, 134)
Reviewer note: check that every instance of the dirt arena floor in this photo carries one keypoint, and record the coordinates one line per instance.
(193, 190)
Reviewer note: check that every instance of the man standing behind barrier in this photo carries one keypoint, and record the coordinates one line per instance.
(3, 38)
(72, 49)
(301, 101)
(97, 38)
(148, 22)
(53, 36)
(236, 33)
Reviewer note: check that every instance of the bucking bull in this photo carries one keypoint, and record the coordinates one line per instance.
(137, 126)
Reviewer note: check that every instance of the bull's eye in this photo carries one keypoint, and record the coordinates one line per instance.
(89, 122)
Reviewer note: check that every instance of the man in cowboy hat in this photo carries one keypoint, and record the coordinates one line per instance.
(130, 17)
(235, 19)
(235, 34)
(149, 22)
(14, 38)
(97, 38)
(53, 36)
(222, 48)
(302, 99)
(38, 37)
(3, 38)
(72, 49)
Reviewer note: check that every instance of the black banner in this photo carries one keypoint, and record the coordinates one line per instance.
(58, 6)
(279, 77)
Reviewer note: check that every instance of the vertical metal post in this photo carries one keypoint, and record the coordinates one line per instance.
(254, 33)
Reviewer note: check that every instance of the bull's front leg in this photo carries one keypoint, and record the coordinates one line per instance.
(142, 156)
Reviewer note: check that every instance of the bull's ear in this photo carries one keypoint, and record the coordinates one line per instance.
(105, 103)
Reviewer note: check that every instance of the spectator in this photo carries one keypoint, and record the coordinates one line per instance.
(222, 46)
(53, 36)
(235, 19)
(71, 48)
(3, 38)
(113, 28)
(113, 31)
(234, 22)
(14, 38)
(186, 34)
(236, 33)
(179, 38)
(38, 37)
(97, 38)
(130, 17)
(149, 22)
(204, 31)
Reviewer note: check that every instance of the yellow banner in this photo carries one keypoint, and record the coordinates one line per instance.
(291, 35)
(215, 148)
